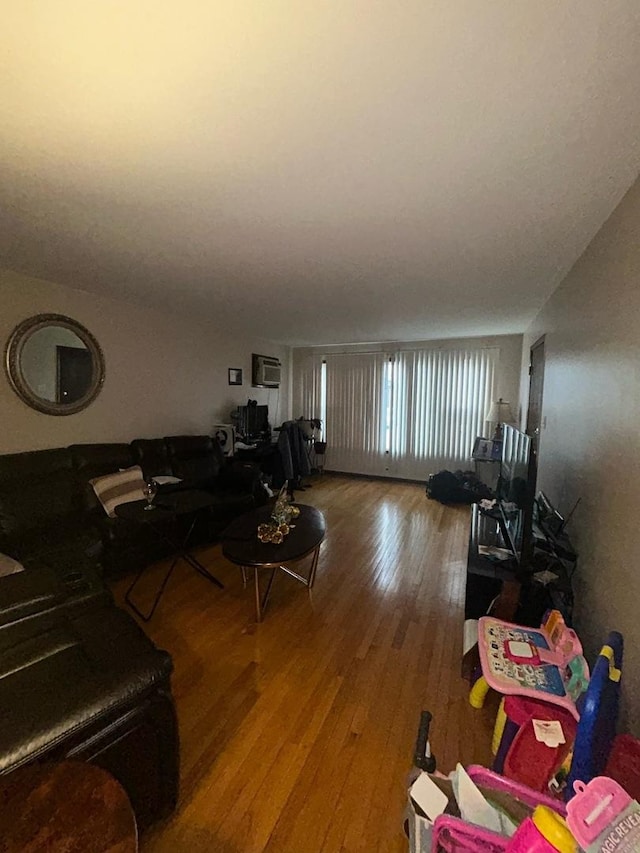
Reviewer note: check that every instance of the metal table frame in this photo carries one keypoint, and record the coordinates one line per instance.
(240, 545)
(261, 602)
(181, 550)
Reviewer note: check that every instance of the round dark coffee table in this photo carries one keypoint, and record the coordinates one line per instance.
(240, 545)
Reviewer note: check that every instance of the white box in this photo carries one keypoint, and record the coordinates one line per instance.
(432, 801)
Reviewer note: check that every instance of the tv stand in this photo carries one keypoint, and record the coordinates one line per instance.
(507, 585)
(493, 584)
(489, 577)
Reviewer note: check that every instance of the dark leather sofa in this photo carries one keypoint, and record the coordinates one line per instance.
(199, 462)
(78, 676)
(79, 679)
(50, 514)
(41, 514)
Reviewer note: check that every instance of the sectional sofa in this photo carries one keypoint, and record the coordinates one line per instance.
(79, 679)
(78, 676)
(49, 512)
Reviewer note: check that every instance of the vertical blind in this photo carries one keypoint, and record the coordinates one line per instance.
(405, 414)
(310, 387)
(354, 411)
(439, 402)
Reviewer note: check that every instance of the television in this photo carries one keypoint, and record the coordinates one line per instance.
(252, 421)
(516, 492)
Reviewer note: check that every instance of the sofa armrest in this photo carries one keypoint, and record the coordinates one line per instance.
(44, 588)
(90, 685)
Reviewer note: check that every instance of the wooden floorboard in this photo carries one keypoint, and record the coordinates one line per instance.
(297, 733)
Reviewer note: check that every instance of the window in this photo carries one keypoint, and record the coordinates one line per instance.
(440, 398)
(405, 414)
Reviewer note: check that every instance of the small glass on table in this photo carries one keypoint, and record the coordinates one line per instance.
(150, 491)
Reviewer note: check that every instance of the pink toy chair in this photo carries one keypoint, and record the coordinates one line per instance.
(453, 835)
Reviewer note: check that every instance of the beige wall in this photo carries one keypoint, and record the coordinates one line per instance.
(165, 373)
(590, 447)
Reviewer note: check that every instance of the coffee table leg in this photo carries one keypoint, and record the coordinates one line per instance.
(314, 566)
(257, 588)
(310, 579)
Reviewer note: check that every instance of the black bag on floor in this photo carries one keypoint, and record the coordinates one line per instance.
(461, 487)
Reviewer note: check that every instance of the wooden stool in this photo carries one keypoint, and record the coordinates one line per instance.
(71, 806)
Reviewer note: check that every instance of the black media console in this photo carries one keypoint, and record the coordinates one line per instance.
(496, 573)
(490, 564)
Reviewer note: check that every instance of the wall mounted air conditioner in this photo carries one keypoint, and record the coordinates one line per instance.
(265, 371)
(226, 435)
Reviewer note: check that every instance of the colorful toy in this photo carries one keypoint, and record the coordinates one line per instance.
(544, 832)
(603, 817)
(599, 715)
(452, 834)
(498, 729)
(545, 664)
(588, 744)
(623, 764)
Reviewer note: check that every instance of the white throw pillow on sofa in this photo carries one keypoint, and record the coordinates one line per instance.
(119, 488)
(9, 566)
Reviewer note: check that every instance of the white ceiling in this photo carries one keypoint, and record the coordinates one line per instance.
(317, 172)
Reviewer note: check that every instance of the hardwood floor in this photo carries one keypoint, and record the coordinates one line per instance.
(297, 734)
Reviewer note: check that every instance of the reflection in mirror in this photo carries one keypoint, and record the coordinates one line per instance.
(54, 364)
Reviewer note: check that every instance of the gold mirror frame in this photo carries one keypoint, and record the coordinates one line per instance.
(13, 366)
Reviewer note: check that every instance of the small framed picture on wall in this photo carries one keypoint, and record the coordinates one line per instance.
(235, 376)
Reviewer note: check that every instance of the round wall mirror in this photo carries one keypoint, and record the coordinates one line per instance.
(54, 364)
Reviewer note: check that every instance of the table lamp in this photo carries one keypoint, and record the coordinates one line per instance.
(499, 413)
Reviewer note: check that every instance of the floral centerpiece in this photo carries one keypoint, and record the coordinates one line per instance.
(279, 525)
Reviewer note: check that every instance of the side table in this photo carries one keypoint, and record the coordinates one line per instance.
(71, 806)
(160, 518)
